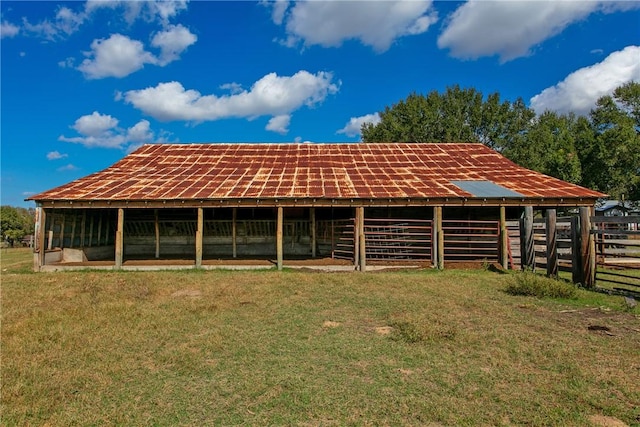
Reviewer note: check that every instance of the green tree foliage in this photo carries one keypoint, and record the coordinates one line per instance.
(611, 156)
(15, 222)
(458, 115)
(601, 151)
(550, 146)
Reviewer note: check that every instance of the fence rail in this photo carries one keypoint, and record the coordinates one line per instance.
(471, 240)
(617, 244)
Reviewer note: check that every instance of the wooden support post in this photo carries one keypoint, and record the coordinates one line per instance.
(440, 237)
(279, 246)
(234, 232)
(587, 250)
(53, 223)
(356, 239)
(91, 232)
(119, 239)
(73, 229)
(64, 216)
(576, 245)
(434, 239)
(83, 227)
(156, 225)
(504, 239)
(199, 230)
(552, 243)
(363, 239)
(312, 230)
(39, 247)
(99, 237)
(527, 252)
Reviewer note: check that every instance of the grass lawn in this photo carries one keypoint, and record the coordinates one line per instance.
(301, 348)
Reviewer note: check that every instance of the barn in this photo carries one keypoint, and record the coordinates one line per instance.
(355, 204)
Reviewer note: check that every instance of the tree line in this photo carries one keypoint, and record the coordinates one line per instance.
(600, 151)
(15, 223)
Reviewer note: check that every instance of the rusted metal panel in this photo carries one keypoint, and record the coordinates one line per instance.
(311, 171)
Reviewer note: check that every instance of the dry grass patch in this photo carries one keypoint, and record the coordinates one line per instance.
(253, 348)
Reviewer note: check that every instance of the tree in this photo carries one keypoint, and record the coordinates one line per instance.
(550, 147)
(458, 115)
(15, 223)
(611, 157)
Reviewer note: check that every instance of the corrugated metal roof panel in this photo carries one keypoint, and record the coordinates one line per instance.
(480, 188)
(269, 171)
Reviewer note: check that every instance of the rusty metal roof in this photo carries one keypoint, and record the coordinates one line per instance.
(320, 171)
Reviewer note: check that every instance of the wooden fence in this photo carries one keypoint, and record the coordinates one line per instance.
(404, 239)
(471, 240)
(617, 242)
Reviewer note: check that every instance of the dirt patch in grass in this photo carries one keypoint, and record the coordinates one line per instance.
(605, 421)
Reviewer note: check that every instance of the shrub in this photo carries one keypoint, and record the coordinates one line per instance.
(413, 331)
(531, 284)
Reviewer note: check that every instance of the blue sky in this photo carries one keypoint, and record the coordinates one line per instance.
(84, 83)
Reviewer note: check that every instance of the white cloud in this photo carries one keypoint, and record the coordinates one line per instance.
(272, 95)
(55, 155)
(375, 23)
(68, 21)
(67, 168)
(117, 56)
(279, 124)
(233, 87)
(580, 90)
(511, 28)
(279, 8)
(172, 42)
(101, 130)
(352, 128)
(7, 29)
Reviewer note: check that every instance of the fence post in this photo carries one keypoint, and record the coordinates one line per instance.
(199, 235)
(576, 245)
(234, 232)
(552, 243)
(440, 237)
(120, 239)
(587, 250)
(356, 239)
(363, 249)
(527, 254)
(504, 235)
(434, 239)
(279, 227)
(41, 219)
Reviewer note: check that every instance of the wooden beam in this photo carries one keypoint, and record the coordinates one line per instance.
(91, 232)
(576, 245)
(41, 221)
(440, 237)
(363, 238)
(53, 223)
(527, 250)
(279, 247)
(83, 227)
(434, 239)
(552, 243)
(504, 239)
(62, 225)
(313, 202)
(234, 232)
(199, 231)
(156, 224)
(587, 250)
(312, 230)
(98, 238)
(73, 229)
(119, 239)
(356, 239)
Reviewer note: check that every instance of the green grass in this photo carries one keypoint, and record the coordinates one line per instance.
(300, 348)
